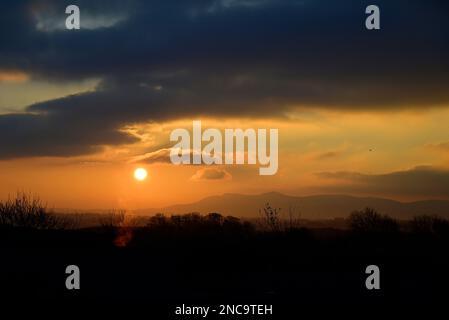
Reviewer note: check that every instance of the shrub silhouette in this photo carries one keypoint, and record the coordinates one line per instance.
(429, 225)
(369, 221)
(113, 220)
(271, 217)
(294, 219)
(26, 211)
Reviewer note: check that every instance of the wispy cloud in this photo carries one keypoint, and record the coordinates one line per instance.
(158, 156)
(211, 174)
(14, 76)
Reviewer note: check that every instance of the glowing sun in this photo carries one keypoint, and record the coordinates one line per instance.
(140, 174)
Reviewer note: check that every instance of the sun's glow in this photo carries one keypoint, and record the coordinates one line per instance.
(140, 174)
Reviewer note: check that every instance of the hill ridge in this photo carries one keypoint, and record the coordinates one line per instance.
(325, 206)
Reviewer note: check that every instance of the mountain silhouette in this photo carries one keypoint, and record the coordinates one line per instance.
(310, 207)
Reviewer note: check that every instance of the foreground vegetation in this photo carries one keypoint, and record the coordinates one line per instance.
(28, 212)
(196, 257)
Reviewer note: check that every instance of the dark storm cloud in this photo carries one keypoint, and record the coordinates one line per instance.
(166, 60)
(424, 182)
(23, 135)
(304, 44)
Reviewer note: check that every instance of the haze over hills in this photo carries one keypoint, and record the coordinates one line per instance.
(309, 207)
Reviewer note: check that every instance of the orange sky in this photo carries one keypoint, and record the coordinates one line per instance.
(359, 112)
(313, 142)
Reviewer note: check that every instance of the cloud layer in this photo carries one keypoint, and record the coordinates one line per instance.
(419, 182)
(163, 61)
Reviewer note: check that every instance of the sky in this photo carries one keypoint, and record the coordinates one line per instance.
(360, 112)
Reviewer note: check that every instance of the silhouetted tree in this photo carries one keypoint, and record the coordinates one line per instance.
(214, 218)
(370, 221)
(158, 220)
(271, 217)
(26, 211)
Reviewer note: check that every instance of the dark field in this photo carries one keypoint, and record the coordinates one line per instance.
(157, 263)
(215, 260)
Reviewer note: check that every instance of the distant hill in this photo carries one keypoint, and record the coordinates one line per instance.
(310, 207)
